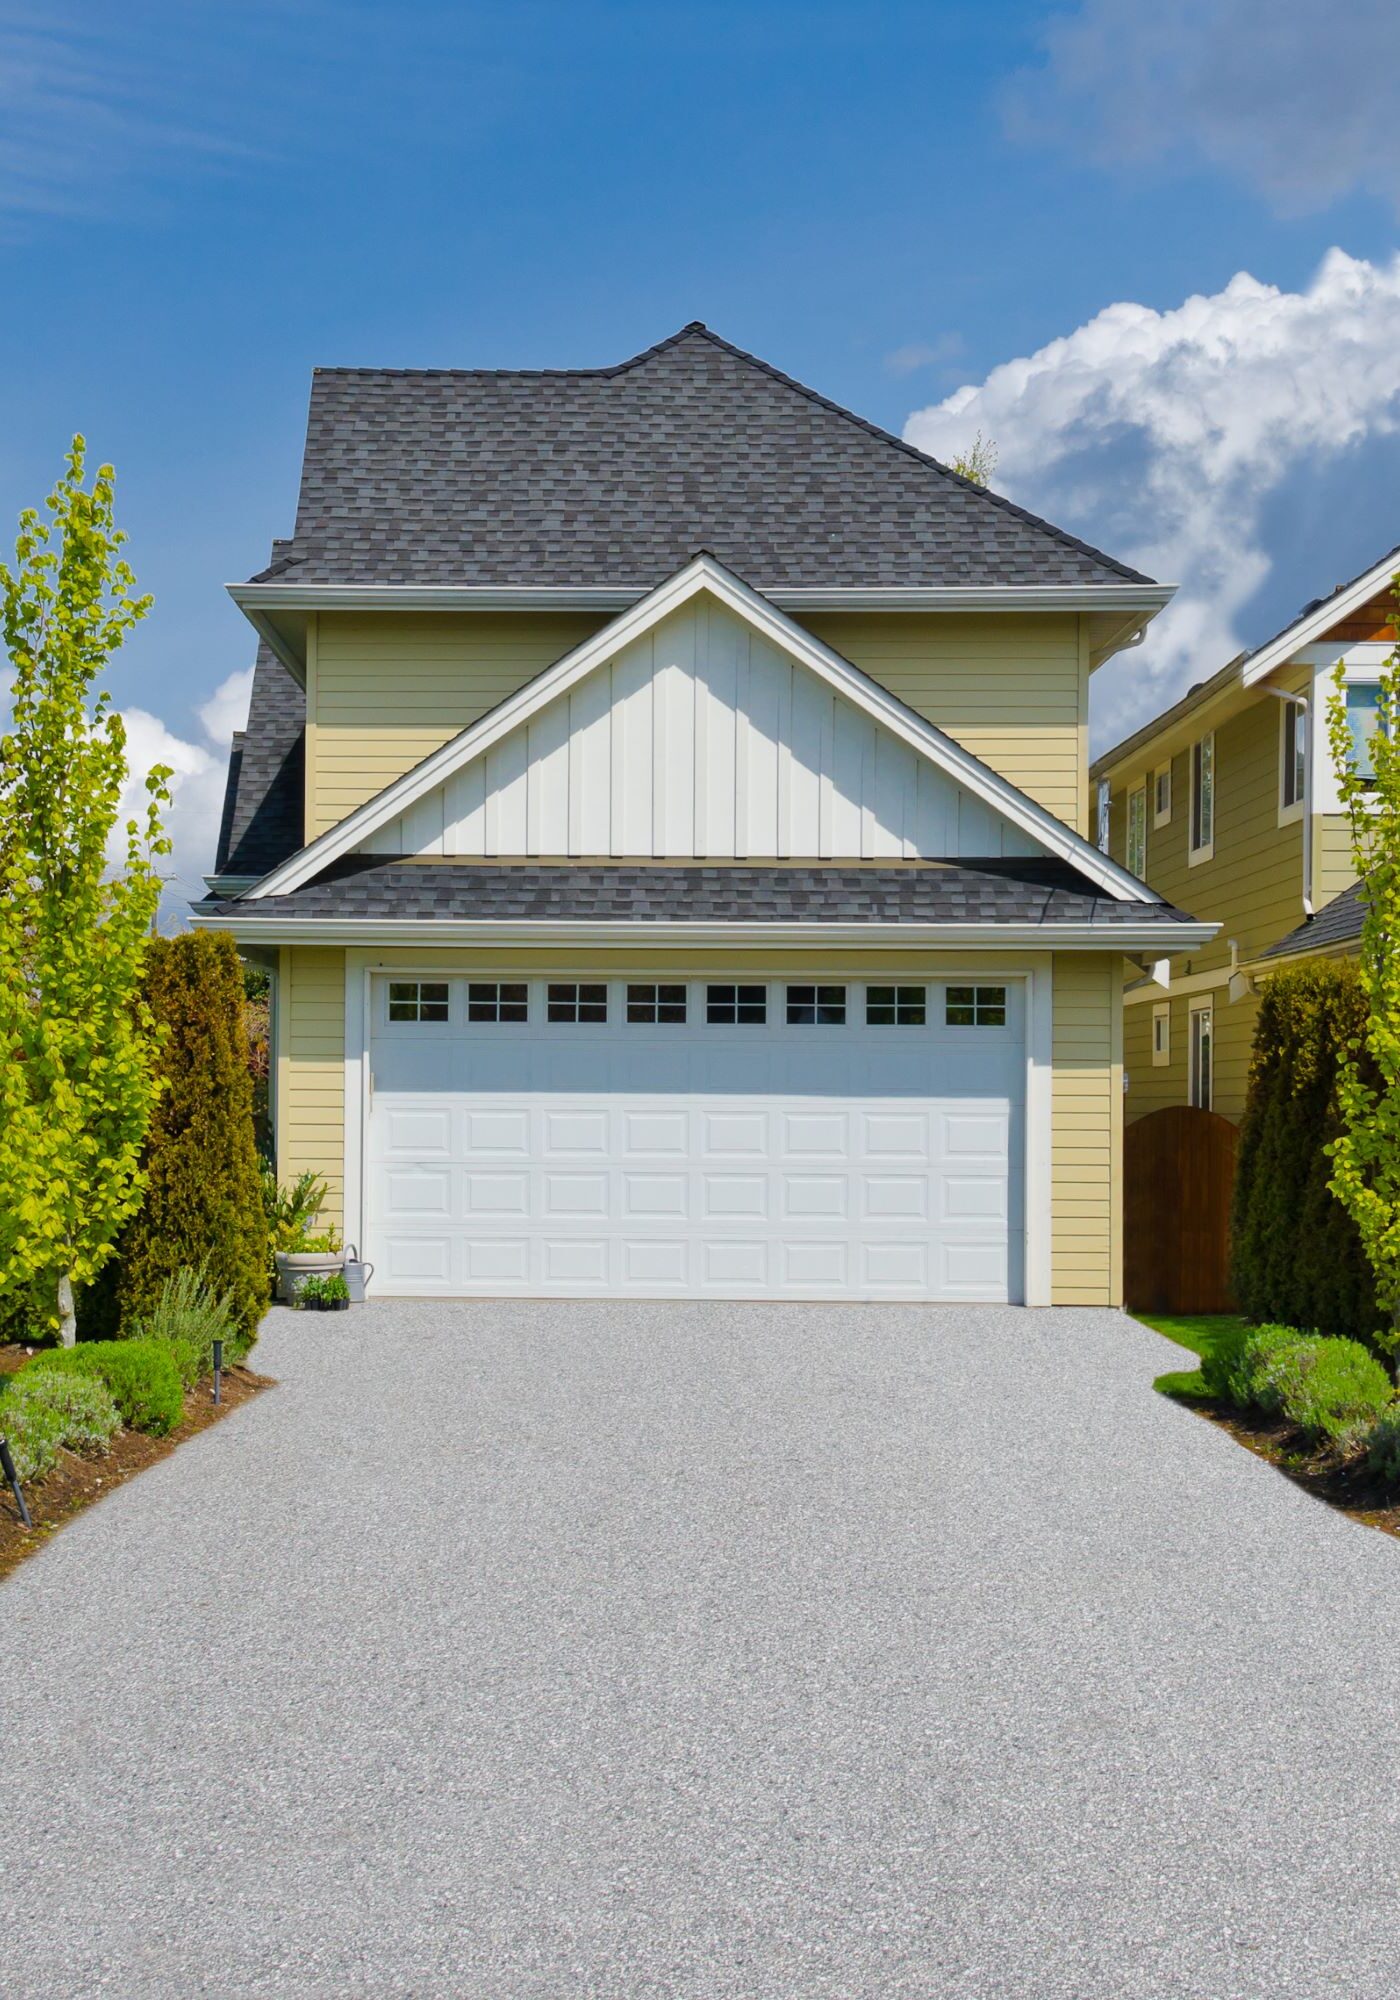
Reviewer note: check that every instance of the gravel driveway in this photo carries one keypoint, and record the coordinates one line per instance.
(705, 1651)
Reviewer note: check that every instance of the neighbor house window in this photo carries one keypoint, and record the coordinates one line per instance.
(1293, 754)
(1363, 720)
(1105, 815)
(1137, 831)
(656, 1005)
(487, 1001)
(736, 1006)
(1162, 795)
(1202, 1055)
(895, 1007)
(417, 1000)
(1161, 1034)
(816, 1006)
(975, 1007)
(1203, 799)
(577, 1003)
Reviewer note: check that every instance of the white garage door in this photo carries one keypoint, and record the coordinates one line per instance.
(771, 1139)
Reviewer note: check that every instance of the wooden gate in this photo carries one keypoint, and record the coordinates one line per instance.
(1178, 1178)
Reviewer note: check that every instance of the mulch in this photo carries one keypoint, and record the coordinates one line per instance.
(75, 1483)
(1343, 1484)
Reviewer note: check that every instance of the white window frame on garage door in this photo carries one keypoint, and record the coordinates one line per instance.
(362, 967)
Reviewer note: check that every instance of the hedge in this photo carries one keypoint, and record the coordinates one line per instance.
(1295, 1253)
(203, 1203)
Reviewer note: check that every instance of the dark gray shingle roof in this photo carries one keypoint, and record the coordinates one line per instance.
(619, 475)
(264, 799)
(1336, 925)
(972, 892)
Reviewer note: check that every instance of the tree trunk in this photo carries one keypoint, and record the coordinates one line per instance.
(67, 1319)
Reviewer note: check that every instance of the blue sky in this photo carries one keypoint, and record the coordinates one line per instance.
(1002, 204)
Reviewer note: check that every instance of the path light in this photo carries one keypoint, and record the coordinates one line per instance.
(7, 1466)
(218, 1370)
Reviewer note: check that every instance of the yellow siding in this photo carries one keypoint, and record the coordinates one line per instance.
(1151, 1087)
(1332, 863)
(388, 688)
(1253, 885)
(1087, 1126)
(311, 1070)
(1012, 689)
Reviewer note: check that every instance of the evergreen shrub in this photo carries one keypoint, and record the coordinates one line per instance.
(203, 1205)
(140, 1375)
(1295, 1253)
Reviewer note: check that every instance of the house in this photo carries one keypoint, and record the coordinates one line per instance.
(1229, 802)
(664, 806)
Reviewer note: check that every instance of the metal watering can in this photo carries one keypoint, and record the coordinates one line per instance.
(357, 1275)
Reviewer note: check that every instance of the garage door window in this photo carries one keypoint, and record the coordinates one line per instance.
(498, 1003)
(578, 1003)
(656, 1005)
(976, 1007)
(736, 1006)
(895, 1007)
(816, 1006)
(417, 1000)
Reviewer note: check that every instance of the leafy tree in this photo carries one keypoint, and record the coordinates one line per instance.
(76, 1039)
(1366, 1153)
(979, 462)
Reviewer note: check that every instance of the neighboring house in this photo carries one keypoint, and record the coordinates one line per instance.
(664, 807)
(1228, 802)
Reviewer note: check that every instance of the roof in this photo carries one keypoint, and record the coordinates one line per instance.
(1305, 625)
(370, 887)
(264, 797)
(1336, 926)
(616, 476)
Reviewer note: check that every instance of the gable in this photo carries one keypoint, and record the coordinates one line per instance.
(702, 738)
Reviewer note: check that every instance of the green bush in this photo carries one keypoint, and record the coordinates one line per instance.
(141, 1376)
(190, 1316)
(203, 1202)
(1383, 1449)
(1295, 1253)
(44, 1408)
(1335, 1390)
(1253, 1368)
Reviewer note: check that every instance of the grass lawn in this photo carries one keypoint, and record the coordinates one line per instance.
(1201, 1333)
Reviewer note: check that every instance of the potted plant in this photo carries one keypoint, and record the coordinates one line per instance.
(322, 1292)
(299, 1251)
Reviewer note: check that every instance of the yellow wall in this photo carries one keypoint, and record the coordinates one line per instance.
(1086, 1095)
(311, 1070)
(1086, 1185)
(1151, 1087)
(385, 689)
(1011, 688)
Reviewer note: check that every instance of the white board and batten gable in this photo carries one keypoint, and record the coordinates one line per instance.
(701, 738)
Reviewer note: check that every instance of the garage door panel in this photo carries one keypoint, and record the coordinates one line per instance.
(696, 1160)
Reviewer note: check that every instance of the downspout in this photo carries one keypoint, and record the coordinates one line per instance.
(1304, 702)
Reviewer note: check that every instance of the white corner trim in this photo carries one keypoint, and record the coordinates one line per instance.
(1304, 631)
(357, 1024)
(705, 574)
(1039, 1136)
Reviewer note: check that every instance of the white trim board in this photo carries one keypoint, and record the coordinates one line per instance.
(256, 598)
(1303, 631)
(705, 574)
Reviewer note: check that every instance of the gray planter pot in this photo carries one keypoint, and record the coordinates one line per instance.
(294, 1267)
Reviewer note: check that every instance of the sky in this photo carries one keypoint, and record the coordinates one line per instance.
(1152, 252)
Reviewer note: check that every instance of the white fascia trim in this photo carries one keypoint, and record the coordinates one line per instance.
(705, 574)
(429, 932)
(1305, 630)
(253, 598)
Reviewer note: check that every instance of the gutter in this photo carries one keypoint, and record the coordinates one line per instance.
(429, 931)
(257, 598)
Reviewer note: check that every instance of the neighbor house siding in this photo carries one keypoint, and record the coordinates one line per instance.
(1151, 1087)
(1012, 689)
(1086, 1140)
(386, 689)
(311, 1071)
(1333, 868)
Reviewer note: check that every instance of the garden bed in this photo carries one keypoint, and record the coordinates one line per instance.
(1342, 1483)
(74, 1483)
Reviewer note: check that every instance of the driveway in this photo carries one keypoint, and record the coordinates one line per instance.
(704, 1651)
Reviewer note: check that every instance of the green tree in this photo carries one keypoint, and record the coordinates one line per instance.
(76, 1039)
(979, 462)
(1366, 1154)
(203, 1205)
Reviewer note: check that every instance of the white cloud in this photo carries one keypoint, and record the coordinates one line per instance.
(1196, 445)
(919, 354)
(227, 708)
(198, 773)
(1295, 97)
